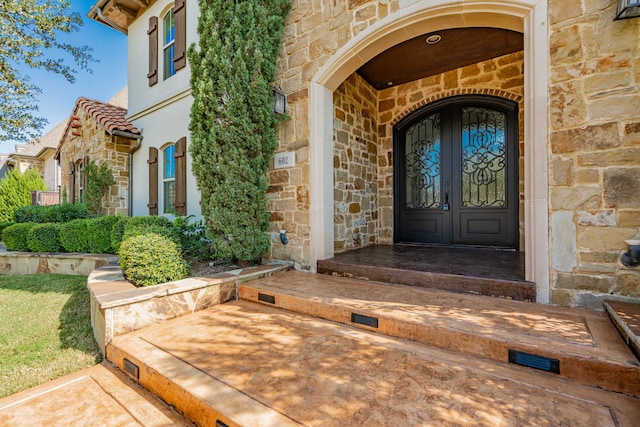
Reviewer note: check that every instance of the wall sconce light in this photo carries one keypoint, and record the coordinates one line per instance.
(631, 258)
(627, 9)
(279, 100)
(283, 237)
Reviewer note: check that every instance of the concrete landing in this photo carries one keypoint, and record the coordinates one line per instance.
(246, 364)
(584, 342)
(479, 271)
(97, 396)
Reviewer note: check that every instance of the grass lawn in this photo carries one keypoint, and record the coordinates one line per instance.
(45, 329)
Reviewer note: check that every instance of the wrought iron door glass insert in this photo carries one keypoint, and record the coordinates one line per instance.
(422, 162)
(483, 158)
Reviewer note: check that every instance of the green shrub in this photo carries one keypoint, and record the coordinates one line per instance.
(69, 211)
(117, 232)
(15, 191)
(44, 238)
(15, 237)
(193, 238)
(32, 213)
(3, 225)
(99, 234)
(74, 235)
(149, 259)
(138, 225)
(54, 213)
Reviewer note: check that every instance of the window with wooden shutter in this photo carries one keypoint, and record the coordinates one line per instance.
(180, 52)
(153, 50)
(72, 183)
(180, 156)
(153, 181)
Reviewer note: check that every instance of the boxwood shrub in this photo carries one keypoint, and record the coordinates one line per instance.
(3, 225)
(138, 225)
(117, 232)
(99, 234)
(44, 237)
(74, 235)
(15, 237)
(53, 213)
(149, 259)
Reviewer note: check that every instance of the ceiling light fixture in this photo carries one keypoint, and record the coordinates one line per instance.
(433, 38)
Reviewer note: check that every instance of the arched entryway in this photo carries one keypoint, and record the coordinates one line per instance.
(456, 173)
(525, 16)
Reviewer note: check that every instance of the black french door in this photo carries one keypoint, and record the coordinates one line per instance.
(456, 173)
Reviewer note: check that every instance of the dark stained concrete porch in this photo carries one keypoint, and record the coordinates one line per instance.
(481, 271)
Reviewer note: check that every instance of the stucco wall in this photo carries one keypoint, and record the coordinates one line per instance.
(594, 150)
(160, 111)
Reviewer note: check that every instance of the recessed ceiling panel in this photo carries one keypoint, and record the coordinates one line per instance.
(437, 52)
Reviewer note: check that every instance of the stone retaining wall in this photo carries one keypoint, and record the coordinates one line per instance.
(52, 263)
(118, 307)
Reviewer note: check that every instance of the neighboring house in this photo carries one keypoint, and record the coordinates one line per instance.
(38, 154)
(99, 132)
(513, 124)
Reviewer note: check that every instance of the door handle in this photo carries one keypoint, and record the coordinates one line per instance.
(445, 207)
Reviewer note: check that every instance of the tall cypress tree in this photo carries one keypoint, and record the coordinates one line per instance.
(233, 126)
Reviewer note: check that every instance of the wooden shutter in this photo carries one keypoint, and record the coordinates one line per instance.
(153, 50)
(72, 183)
(181, 176)
(153, 181)
(180, 49)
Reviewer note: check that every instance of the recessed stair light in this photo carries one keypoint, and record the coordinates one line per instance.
(434, 38)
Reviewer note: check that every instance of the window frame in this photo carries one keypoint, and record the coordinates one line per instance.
(168, 47)
(168, 158)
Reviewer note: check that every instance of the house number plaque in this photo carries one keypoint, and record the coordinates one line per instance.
(284, 160)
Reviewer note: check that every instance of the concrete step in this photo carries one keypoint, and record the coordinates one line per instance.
(247, 364)
(626, 318)
(98, 396)
(473, 271)
(576, 344)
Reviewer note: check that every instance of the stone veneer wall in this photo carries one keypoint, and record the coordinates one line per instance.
(595, 150)
(363, 141)
(355, 165)
(100, 147)
(314, 30)
(502, 77)
(594, 137)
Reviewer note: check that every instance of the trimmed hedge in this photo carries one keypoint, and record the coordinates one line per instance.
(54, 213)
(15, 237)
(139, 225)
(74, 235)
(99, 234)
(44, 238)
(117, 233)
(150, 259)
(3, 225)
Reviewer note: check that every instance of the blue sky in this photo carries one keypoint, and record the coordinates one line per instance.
(109, 75)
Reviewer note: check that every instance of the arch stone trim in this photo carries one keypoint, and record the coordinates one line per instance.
(526, 16)
(456, 92)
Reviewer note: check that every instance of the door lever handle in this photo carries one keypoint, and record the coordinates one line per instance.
(446, 202)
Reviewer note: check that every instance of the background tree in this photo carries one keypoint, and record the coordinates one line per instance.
(30, 31)
(15, 191)
(233, 126)
(99, 181)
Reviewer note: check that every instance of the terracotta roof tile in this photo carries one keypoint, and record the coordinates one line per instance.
(109, 116)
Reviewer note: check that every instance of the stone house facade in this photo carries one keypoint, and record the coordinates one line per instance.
(98, 132)
(568, 94)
